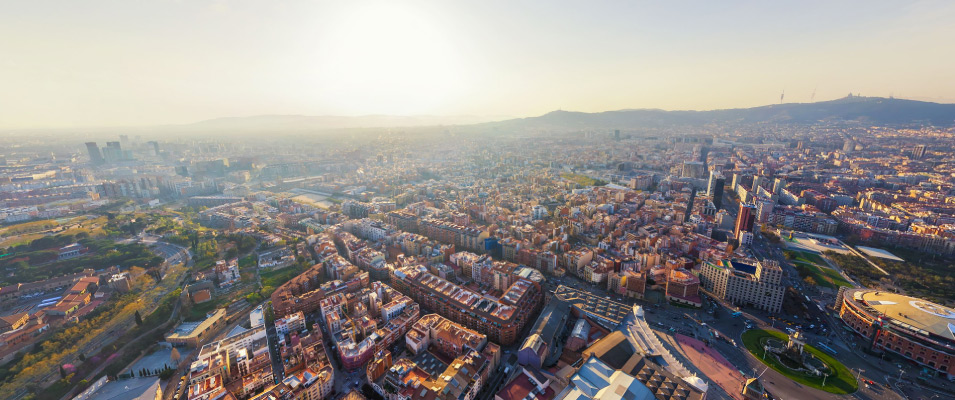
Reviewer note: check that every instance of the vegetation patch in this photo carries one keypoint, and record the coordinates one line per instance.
(39, 260)
(582, 180)
(821, 276)
(76, 344)
(276, 278)
(923, 276)
(813, 269)
(840, 382)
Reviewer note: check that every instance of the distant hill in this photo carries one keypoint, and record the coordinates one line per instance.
(874, 110)
(292, 123)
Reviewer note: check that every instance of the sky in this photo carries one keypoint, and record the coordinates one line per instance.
(98, 63)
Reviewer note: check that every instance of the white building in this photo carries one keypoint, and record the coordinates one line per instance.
(257, 317)
(744, 284)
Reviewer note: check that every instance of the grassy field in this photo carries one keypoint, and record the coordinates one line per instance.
(18, 240)
(841, 382)
(276, 278)
(25, 233)
(582, 180)
(811, 264)
(825, 277)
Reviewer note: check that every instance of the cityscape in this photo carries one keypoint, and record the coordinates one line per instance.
(788, 249)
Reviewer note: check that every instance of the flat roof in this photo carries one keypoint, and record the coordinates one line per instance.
(910, 312)
(129, 389)
(190, 329)
(873, 252)
(743, 267)
(599, 306)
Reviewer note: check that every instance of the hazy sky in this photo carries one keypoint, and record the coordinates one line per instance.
(127, 62)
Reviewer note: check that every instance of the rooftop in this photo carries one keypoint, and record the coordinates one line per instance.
(911, 313)
(128, 389)
(611, 312)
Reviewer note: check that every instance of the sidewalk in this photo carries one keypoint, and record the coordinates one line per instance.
(716, 367)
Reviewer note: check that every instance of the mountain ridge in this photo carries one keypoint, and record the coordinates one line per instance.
(876, 110)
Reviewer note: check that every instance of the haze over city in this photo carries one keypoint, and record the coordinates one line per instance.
(107, 63)
(449, 200)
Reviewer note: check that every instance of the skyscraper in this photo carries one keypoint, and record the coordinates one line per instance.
(113, 152)
(918, 152)
(745, 220)
(155, 146)
(693, 169)
(616, 134)
(715, 188)
(95, 157)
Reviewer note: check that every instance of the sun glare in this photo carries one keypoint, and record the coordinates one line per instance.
(387, 59)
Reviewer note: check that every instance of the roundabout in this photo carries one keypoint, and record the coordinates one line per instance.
(800, 362)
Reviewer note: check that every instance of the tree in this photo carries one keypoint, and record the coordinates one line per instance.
(174, 355)
(810, 281)
(139, 318)
(269, 313)
(166, 373)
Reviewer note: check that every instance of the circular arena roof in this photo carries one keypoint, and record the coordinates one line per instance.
(915, 313)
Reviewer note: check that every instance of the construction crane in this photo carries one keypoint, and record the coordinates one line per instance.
(782, 96)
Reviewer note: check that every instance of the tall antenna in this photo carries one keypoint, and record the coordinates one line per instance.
(782, 96)
(813, 97)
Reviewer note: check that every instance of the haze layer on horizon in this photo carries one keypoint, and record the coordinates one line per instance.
(123, 63)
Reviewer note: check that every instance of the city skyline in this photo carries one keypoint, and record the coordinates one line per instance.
(151, 64)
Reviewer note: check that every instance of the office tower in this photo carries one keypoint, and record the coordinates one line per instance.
(704, 152)
(155, 146)
(616, 134)
(918, 152)
(95, 157)
(745, 220)
(718, 193)
(693, 169)
(715, 188)
(758, 181)
(113, 152)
